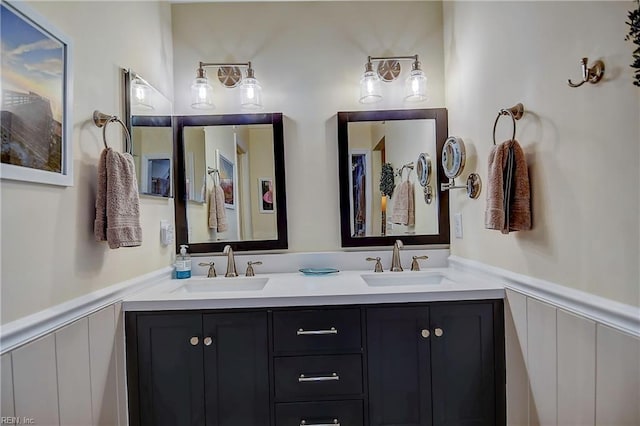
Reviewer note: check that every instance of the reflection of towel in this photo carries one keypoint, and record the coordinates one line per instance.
(217, 214)
(117, 201)
(509, 193)
(404, 204)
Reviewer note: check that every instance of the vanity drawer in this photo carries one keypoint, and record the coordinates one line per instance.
(317, 376)
(320, 331)
(343, 413)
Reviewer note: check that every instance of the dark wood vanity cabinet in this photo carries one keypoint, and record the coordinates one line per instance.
(319, 373)
(436, 364)
(198, 369)
(439, 364)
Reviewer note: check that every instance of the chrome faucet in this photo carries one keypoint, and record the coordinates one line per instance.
(231, 262)
(395, 259)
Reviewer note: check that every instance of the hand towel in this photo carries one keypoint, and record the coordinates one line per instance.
(100, 224)
(404, 204)
(117, 201)
(509, 192)
(217, 213)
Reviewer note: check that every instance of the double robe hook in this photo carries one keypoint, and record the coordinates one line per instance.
(591, 74)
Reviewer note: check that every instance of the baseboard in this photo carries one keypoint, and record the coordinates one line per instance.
(27, 329)
(614, 314)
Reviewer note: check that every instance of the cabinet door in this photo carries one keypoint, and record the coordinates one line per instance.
(398, 364)
(170, 373)
(236, 369)
(463, 365)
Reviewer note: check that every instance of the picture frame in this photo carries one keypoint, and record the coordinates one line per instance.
(36, 71)
(226, 169)
(267, 200)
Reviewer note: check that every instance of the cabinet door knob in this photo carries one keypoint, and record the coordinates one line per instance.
(438, 332)
(425, 333)
(194, 340)
(208, 341)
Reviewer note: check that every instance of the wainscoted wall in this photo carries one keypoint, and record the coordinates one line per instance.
(53, 226)
(73, 376)
(565, 369)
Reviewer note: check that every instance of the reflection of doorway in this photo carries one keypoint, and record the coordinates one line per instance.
(156, 175)
(360, 192)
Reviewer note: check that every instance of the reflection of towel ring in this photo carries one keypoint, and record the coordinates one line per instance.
(101, 120)
(516, 114)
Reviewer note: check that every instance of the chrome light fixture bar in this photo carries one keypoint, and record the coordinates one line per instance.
(230, 76)
(415, 89)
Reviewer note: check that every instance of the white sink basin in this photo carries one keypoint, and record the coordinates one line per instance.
(207, 285)
(402, 278)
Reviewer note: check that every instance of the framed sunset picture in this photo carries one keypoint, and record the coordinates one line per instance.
(36, 98)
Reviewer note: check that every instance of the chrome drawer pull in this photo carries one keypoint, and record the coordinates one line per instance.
(302, 332)
(333, 376)
(336, 422)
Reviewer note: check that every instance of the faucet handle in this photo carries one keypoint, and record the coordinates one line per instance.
(378, 267)
(250, 272)
(414, 263)
(212, 271)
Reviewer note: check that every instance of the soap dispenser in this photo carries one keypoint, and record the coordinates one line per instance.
(183, 263)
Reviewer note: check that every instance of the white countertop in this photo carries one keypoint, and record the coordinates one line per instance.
(297, 289)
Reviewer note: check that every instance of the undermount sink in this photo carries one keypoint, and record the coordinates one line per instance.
(402, 278)
(206, 285)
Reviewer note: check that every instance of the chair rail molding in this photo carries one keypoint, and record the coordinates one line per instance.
(27, 329)
(605, 311)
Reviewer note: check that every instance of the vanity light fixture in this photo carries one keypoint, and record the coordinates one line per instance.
(140, 92)
(415, 88)
(230, 76)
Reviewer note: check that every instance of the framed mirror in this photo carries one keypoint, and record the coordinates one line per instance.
(380, 194)
(148, 118)
(230, 182)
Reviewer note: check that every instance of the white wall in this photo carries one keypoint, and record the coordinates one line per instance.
(309, 57)
(582, 145)
(48, 251)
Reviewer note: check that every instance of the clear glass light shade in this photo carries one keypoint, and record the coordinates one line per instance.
(415, 88)
(140, 95)
(201, 94)
(250, 93)
(370, 88)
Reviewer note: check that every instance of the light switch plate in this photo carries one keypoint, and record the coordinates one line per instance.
(166, 233)
(457, 220)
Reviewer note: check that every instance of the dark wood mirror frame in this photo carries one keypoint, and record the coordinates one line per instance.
(344, 118)
(182, 236)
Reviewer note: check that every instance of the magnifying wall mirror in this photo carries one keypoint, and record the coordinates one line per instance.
(381, 196)
(148, 117)
(230, 183)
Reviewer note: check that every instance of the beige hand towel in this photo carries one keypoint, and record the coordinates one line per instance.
(404, 204)
(100, 224)
(117, 201)
(509, 191)
(217, 213)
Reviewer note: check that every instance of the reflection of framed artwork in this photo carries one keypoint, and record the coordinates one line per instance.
(225, 167)
(36, 98)
(156, 174)
(267, 199)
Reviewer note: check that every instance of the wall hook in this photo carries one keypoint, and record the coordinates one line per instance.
(592, 75)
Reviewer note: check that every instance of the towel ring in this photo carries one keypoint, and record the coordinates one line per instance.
(101, 120)
(515, 112)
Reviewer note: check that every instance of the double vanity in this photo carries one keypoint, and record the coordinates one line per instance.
(353, 348)
(350, 348)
